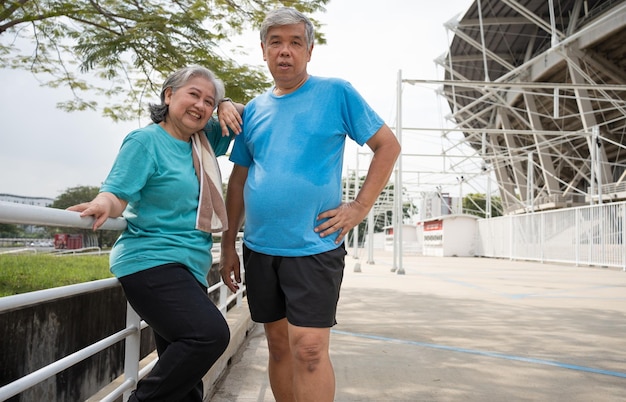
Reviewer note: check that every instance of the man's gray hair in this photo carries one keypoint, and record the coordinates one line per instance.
(287, 16)
(177, 79)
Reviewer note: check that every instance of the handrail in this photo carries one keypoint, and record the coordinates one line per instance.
(20, 250)
(48, 371)
(43, 216)
(21, 214)
(81, 251)
(40, 296)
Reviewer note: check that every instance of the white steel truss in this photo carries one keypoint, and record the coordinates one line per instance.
(538, 89)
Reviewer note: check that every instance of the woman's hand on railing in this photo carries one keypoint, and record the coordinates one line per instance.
(104, 206)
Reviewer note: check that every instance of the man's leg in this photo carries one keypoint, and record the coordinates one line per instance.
(280, 365)
(311, 287)
(266, 301)
(313, 375)
(306, 289)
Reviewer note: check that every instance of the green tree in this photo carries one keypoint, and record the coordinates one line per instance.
(125, 48)
(8, 230)
(476, 204)
(77, 195)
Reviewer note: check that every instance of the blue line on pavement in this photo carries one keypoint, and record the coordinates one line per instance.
(486, 353)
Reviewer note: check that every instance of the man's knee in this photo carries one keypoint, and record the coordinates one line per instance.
(279, 349)
(310, 350)
(278, 340)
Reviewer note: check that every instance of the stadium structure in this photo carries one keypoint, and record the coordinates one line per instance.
(538, 88)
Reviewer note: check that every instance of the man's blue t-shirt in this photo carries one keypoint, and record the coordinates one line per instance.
(154, 172)
(293, 146)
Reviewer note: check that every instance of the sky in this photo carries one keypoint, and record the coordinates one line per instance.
(44, 151)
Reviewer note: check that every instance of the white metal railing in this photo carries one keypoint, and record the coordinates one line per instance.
(22, 214)
(587, 235)
(42, 216)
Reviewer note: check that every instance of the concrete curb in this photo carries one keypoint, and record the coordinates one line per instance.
(240, 324)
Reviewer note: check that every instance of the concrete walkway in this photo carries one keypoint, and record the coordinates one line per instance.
(464, 329)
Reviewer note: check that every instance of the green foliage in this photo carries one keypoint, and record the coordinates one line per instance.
(125, 48)
(8, 230)
(75, 195)
(476, 204)
(27, 273)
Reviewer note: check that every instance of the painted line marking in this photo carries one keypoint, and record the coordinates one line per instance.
(485, 353)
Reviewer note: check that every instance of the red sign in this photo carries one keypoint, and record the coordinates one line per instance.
(433, 225)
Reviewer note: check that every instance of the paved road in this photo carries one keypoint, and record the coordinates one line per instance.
(465, 329)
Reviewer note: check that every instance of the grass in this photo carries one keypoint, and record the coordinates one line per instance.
(27, 273)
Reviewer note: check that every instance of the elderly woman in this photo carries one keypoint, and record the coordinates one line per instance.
(166, 183)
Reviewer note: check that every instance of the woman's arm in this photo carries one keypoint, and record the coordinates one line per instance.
(104, 206)
(229, 115)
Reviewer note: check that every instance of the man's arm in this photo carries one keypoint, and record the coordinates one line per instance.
(342, 219)
(229, 259)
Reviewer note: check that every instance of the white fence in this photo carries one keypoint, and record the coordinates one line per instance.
(41, 216)
(590, 235)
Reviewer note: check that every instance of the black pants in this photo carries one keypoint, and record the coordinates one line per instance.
(190, 331)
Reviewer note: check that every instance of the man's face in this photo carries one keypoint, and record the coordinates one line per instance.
(286, 52)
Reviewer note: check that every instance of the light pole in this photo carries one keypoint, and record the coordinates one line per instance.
(460, 179)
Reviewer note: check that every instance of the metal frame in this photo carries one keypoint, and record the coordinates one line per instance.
(538, 88)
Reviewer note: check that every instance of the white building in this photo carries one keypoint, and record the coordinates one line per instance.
(36, 201)
(19, 199)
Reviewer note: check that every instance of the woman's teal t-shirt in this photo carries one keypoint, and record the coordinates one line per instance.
(154, 172)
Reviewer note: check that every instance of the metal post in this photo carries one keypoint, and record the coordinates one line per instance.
(621, 233)
(459, 208)
(370, 237)
(394, 221)
(132, 348)
(488, 200)
(530, 183)
(486, 171)
(555, 103)
(355, 230)
(577, 235)
(555, 38)
(370, 230)
(592, 168)
(223, 297)
(596, 146)
(399, 181)
(482, 39)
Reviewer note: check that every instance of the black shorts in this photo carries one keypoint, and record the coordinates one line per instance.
(303, 289)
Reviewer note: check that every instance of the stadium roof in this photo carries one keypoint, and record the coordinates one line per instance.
(539, 89)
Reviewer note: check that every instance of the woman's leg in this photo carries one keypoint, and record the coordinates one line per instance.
(179, 311)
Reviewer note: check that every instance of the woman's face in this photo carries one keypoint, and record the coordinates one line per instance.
(190, 107)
